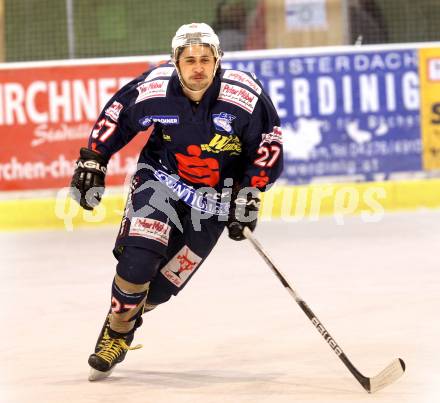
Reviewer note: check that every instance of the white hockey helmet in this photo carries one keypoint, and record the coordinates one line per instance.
(195, 34)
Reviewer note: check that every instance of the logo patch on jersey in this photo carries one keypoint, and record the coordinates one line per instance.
(114, 110)
(181, 266)
(221, 143)
(151, 229)
(222, 122)
(275, 136)
(160, 72)
(200, 201)
(236, 75)
(238, 96)
(196, 169)
(261, 180)
(152, 89)
(166, 120)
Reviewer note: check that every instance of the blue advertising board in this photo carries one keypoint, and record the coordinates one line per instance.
(344, 115)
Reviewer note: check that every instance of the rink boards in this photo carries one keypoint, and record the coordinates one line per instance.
(295, 203)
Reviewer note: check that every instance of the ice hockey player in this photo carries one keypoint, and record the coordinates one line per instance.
(215, 144)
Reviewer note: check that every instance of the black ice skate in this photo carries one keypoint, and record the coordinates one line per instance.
(111, 349)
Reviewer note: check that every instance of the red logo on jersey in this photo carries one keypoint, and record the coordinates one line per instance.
(196, 169)
(260, 181)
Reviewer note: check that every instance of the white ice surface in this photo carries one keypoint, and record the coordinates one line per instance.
(234, 334)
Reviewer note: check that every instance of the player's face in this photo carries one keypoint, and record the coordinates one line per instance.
(196, 65)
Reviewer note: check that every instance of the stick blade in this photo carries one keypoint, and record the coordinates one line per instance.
(389, 375)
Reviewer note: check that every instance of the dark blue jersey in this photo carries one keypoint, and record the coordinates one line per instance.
(233, 132)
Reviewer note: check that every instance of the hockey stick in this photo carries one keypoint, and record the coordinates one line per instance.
(390, 374)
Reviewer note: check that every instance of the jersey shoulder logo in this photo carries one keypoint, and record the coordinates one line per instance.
(275, 136)
(152, 89)
(114, 110)
(243, 78)
(160, 72)
(238, 96)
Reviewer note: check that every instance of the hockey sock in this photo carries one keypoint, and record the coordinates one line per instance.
(127, 301)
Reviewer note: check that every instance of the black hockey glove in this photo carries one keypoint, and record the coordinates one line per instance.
(88, 180)
(243, 213)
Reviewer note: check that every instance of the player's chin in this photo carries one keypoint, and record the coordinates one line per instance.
(197, 85)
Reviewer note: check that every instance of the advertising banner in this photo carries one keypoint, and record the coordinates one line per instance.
(46, 116)
(430, 107)
(347, 114)
(351, 116)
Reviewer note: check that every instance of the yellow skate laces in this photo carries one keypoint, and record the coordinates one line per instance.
(111, 349)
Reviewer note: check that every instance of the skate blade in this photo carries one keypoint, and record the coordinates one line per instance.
(96, 375)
